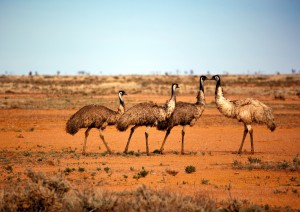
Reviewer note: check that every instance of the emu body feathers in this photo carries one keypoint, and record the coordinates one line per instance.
(184, 114)
(143, 114)
(95, 116)
(147, 114)
(247, 110)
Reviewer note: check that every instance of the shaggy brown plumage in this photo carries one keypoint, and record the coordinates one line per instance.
(94, 116)
(247, 111)
(146, 114)
(184, 114)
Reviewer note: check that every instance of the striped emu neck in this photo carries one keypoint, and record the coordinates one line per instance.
(201, 97)
(224, 105)
(172, 102)
(121, 108)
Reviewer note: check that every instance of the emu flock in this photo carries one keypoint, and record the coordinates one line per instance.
(172, 113)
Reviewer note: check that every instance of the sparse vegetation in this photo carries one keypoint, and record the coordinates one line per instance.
(278, 191)
(142, 173)
(130, 152)
(104, 153)
(256, 163)
(81, 169)
(156, 151)
(279, 95)
(8, 168)
(171, 172)
(67, 170)
(107, 169)
(190, 169)
(137, 154)
(254, 160)
(49, 101)
(26, 153)
(204, 181)
(57, 194)
(59, 90)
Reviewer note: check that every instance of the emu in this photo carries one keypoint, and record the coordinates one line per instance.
(246, 110)
(184, 114)
(147, 114)
(95, 116)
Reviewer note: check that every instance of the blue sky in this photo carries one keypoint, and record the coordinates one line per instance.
(149, 36)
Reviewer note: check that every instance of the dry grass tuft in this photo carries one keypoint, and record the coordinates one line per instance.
(43, 193)
(257, 163)
(71, 92)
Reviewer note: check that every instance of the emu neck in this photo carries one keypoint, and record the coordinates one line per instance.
(224, 105)
(201, 97)
(170, 106)
(121, 108)
(219, 90)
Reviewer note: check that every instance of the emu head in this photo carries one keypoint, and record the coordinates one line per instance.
(122, 93)
(203, 78)
(216, 77)
(174, 86)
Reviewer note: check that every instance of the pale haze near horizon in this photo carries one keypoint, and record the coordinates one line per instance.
(149, 37)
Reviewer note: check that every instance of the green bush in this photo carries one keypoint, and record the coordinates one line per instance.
(81, 169)
(107, 169)
(190, 169)
(142, 173)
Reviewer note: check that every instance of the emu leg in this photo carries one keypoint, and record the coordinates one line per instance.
(244, 136)
(146, 136)
(182, 141)
(102, 138)
(166, 136)
(131, 132)
(251, 139)
(85, 140)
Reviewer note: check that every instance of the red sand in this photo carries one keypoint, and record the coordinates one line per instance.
(209, 146)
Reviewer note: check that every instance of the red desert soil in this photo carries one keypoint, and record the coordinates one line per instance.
(37, 139)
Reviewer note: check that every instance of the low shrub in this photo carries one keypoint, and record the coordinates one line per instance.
(190, 169)
(142, 173)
